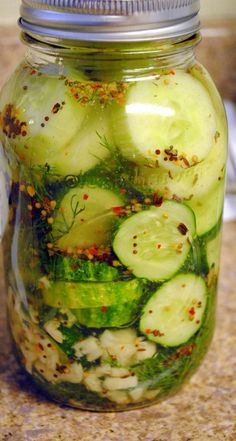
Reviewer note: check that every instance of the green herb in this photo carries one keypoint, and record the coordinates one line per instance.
(71, 336)
(66, 227)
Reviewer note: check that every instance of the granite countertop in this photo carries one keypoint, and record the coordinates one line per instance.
(204, 410)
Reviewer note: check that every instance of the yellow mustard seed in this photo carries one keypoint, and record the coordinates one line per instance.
(43, 212)
(53, 204)
(37, 205)
(22, 187)
(50, 246)
(116, 263)
(30, 208)
(31, 191)
(195, 159)
(50, 220)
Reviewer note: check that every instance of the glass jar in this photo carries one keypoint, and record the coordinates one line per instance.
(114, 158)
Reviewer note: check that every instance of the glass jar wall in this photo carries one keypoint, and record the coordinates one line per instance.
(116, 161)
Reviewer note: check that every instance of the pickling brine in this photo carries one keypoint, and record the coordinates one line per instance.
(113, 238)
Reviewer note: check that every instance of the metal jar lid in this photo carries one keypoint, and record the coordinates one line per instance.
(110, 20)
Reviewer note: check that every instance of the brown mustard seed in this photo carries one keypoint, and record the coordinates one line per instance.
(182, 229)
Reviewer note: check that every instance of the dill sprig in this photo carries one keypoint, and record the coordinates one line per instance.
(66, 226)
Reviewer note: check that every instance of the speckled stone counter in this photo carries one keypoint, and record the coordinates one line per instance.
(204, 410)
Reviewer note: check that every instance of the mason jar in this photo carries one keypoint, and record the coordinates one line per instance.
(114, 146)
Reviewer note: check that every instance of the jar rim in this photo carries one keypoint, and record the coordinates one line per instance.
(110, 20)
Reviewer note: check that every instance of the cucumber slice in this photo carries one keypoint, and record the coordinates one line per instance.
(91, 295)
(181, 122)
(110, 316)
(194, 181)
(78, 270)
(92, 225)
(213, 249)
(208, 208)
(175, 312)
(57, 129)
(155, 243)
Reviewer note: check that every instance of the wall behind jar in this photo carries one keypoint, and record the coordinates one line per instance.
(210, 9)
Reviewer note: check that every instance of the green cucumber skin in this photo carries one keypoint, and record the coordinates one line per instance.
(78, 270)
(107, 317)
(91, 294)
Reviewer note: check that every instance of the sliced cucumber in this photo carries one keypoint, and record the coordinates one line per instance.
(91, 295)
(110, 316)
(208, 208)
(155, 243)
(78, 270)
(175, 312)
(85, 150)
(181, 122)
(194, 181)
(213, 252)
(55, 128)
(93, 224)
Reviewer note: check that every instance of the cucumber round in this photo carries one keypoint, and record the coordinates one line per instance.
(110, 316)
(91, 295)
(170, 120)
(57, 129)
(90, 226)
(175, 311)
(208, 208)
(155, 243)
(194, 181)
(79, 270)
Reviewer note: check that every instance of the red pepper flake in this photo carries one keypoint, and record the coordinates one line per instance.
(157, 200)
(123, 191)
(182, 229)
(46, 118)
(93, 251)
(103, 309)
(191, 313)
(172, 72)
(158, 246)
(96, 86)
(33, 72)
(74, 267)
(85, 197)
(118, 210)
(158, 151)
(157, 333)
(186, 350)
(148, 331)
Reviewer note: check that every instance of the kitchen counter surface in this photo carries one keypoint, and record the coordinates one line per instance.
(204, 410)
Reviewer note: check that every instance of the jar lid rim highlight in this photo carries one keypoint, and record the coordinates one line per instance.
(110, 20)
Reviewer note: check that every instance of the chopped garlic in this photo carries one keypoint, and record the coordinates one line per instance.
(52, 329)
